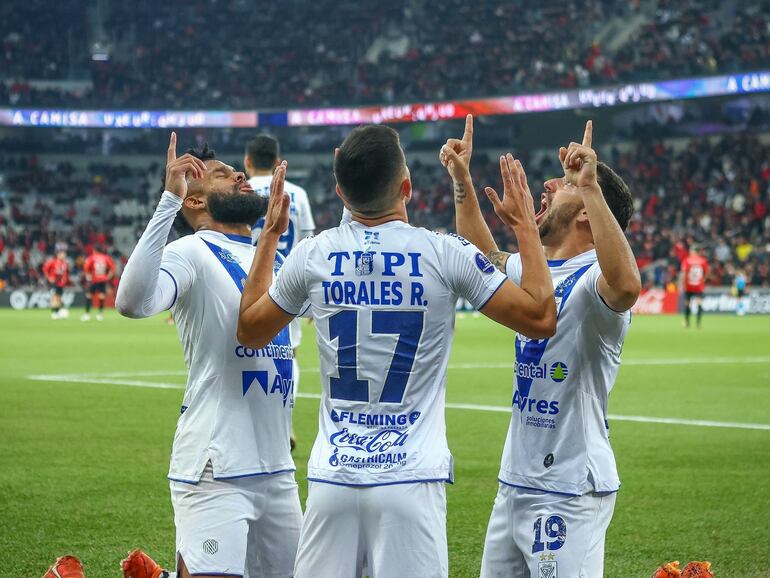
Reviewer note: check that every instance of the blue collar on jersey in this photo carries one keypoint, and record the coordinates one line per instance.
(556, 262)
(239, 238)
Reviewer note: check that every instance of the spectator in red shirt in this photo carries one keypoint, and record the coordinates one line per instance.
(99, 269)
(695, 267)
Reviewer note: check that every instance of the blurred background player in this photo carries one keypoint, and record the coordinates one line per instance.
(558, 477)
(236, 504)
(57, 272)
(260, 160)
(695, 267)
(99, 269)
(739, 287)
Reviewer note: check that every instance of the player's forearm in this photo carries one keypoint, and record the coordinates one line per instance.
(535, 276)
(257, 283)
(139, 293)
(469, 220)
(616, 259)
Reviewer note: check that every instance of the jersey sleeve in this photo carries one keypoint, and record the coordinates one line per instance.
(513, 268)
(306, 222)
(469, 273)
(155, 277)
(609, 323)
(289, 290)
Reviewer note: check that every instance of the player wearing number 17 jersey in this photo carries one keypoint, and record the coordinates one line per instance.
(383, 295)
(558, 476)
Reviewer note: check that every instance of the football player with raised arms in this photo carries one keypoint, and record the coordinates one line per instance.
(236, 505)
(558, 477)
(383, 295)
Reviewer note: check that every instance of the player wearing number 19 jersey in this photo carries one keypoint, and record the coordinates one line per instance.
(383, 295)
(558, 476)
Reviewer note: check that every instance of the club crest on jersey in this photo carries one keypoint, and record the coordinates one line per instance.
(364, 263)
(548, 569)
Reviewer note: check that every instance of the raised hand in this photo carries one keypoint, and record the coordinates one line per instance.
(516, 208)
(456, 154)
(579, 160)
(277, 216)
(179, 170)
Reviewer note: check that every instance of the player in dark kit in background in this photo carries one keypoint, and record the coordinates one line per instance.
(695, 267)
(99, 269)
(56, 271)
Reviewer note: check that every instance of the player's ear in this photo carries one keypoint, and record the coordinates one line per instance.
(194, 203)
(406, 190)
(247, 162)
(341, 195)
(582, 217)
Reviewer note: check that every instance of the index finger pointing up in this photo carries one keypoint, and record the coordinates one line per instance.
(588, 135)
(171, 154)
(468, 134)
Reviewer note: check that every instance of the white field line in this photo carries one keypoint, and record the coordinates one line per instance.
(120, 379)
(625, 362)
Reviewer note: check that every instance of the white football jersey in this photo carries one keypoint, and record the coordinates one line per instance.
(384, 303)
(238, 401)
(558, 438)
(301, 222)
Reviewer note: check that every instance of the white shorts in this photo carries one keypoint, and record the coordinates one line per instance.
(395, 531)
(534, 534)
(295, 332)
(241, 527)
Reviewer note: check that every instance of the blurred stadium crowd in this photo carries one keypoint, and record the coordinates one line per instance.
(710, 190)
(201, 54)
(716, 194)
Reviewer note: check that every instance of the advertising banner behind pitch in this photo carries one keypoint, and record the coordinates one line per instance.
(39, 299)
(715, 300)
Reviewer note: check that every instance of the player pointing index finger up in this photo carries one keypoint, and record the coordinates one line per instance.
(558, 477)
(236, 506)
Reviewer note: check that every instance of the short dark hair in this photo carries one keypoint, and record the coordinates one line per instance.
(263, 151)
(616, 193)
(368, 166)
(181, 226)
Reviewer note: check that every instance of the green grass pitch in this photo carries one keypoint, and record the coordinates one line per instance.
(83, 465)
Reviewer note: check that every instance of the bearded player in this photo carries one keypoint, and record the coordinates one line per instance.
(558, 478)
(236, 506)
(383, 295)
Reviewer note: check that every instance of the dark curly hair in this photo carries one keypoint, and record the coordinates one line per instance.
(616, 193)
